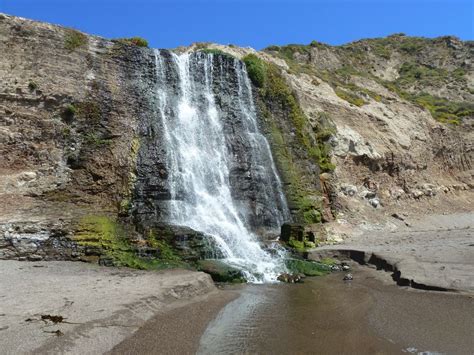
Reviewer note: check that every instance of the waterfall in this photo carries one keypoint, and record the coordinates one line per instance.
(221, 176)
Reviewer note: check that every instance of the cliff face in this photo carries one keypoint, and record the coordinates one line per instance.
(403, 110)
(69, 107)
(80, 144)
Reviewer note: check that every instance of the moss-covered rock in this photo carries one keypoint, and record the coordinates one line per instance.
(103, 236)
(308, 268)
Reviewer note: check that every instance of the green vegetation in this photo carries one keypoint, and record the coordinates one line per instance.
(74, 39)
(382, 49)
(69, 111)
(290, 52)
(442, 109)
(319, 45)
(256, 69)
(108, 238)
(412, 74)
(95, 140)
(133, 41)
(328, 261)
(412, 45)
(301, 246)
(309, 268)
(350, 97)
(339, 80)
(32, 86)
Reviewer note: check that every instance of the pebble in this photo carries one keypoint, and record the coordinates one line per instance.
(348, 277)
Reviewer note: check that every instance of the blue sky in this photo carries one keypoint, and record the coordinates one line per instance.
(256, 23)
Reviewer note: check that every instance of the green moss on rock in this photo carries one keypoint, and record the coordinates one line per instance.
(104, 236)
(309, 268)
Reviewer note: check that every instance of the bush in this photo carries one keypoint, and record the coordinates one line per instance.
(32, 86)
(256, 69)
(273, 48)
(133, 41)
(74, 39)
(442, 109)
(412, 45)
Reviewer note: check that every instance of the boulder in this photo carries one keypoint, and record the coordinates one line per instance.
(189, 245)
(348, 277)
(374, 202)
(220, 271)
(292, 231)
(349, 190)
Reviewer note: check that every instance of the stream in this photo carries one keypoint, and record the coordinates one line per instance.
(329, 316)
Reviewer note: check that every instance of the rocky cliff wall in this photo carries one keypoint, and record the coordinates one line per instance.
(70, 107)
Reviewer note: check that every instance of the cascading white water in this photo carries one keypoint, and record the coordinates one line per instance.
(199, 160)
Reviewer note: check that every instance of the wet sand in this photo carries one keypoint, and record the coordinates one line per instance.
(328, 316)
(177, 331)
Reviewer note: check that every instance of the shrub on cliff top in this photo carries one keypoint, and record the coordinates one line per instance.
(256, 69)
(74, 39)
(133, 41)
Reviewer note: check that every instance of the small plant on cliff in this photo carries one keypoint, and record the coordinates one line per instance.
(350, 97)
(69, 112)
(133, 41)
(32, 86)
(74, 39)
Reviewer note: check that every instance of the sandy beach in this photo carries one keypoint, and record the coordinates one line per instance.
(79, 308)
